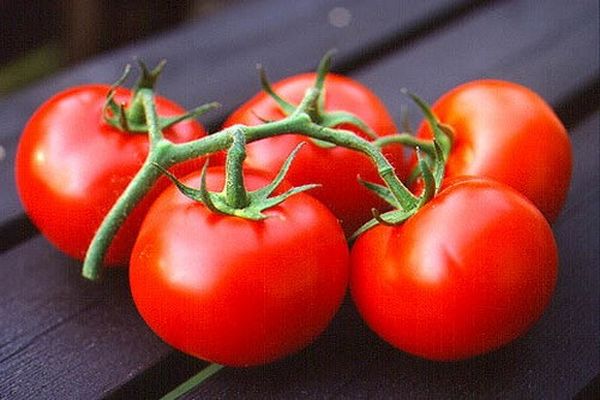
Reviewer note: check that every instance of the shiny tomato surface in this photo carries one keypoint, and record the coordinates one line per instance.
(506, 132)
(236, 291)
(474, 269)
(336, 169)
(71, 166)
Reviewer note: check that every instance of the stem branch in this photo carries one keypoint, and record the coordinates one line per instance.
(135, 191)
(166, 154)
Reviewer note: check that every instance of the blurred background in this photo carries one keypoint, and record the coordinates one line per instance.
(40, 36)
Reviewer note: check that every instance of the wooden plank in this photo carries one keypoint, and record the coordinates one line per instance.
(63, 337)
(215, 60)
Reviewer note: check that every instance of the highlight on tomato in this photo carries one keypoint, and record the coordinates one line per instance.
(507, 132)
(471, 271)
(335, 168)
(76, 155)
(238, 291)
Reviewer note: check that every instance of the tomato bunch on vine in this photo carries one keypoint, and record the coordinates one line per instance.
(242, 243)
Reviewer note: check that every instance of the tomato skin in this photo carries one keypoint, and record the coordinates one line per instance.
(506, 132)
(235, 291)
(335, 168)
(470, 272)
(71, 167)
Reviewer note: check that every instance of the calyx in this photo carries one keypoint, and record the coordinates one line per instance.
(130, 117)
(234, 199)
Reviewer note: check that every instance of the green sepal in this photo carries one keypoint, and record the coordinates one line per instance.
(202, 194)
(382, 191)
(316, 107)
(441, 133)
(429, 182)
(286, 107)
(332, 119)
(391, 218)
(323, 69)
(439, 166)
(413, 175)
(266, 191)
(258, 200)
(167, 122)
(131, 117)
(432, 182)
(406, 139)
(322, 143)
(114, 113)
(148, 77)
(335, 118)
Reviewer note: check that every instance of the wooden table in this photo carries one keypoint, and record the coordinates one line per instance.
(64, 337)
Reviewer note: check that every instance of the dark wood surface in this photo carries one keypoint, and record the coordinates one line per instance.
(63, 337)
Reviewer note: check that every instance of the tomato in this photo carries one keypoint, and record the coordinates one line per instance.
(335, 168)
(507, 132)
(71, 167)
(236, 291)
(469, 272)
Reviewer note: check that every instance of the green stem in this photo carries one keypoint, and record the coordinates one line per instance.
(167, 154)
(406, 139)
(135, 191)
(223, 139)
(349, 140)
(235, 191)
(147, 99)
(139, 186)
(147, 81)
(300, 122)
(193, 382)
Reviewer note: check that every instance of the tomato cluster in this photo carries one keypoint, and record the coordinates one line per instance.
(469, 271)
(335, 168)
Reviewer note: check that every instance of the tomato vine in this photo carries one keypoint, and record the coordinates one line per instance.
(418, 273)
(166, 154)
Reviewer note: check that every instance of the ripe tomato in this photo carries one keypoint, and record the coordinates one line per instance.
(506, 132)
(71, 167)
(469, 272)
(335, 168)
(235, 291)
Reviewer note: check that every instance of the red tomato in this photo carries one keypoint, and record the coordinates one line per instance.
(470, 272)
(505, 131)
(335, 168)
(71, 167)
(235, 291)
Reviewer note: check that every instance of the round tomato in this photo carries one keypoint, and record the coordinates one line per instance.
(469, 272)
(506, 132)
(336, 169)
(71, 166)
(236, 291)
